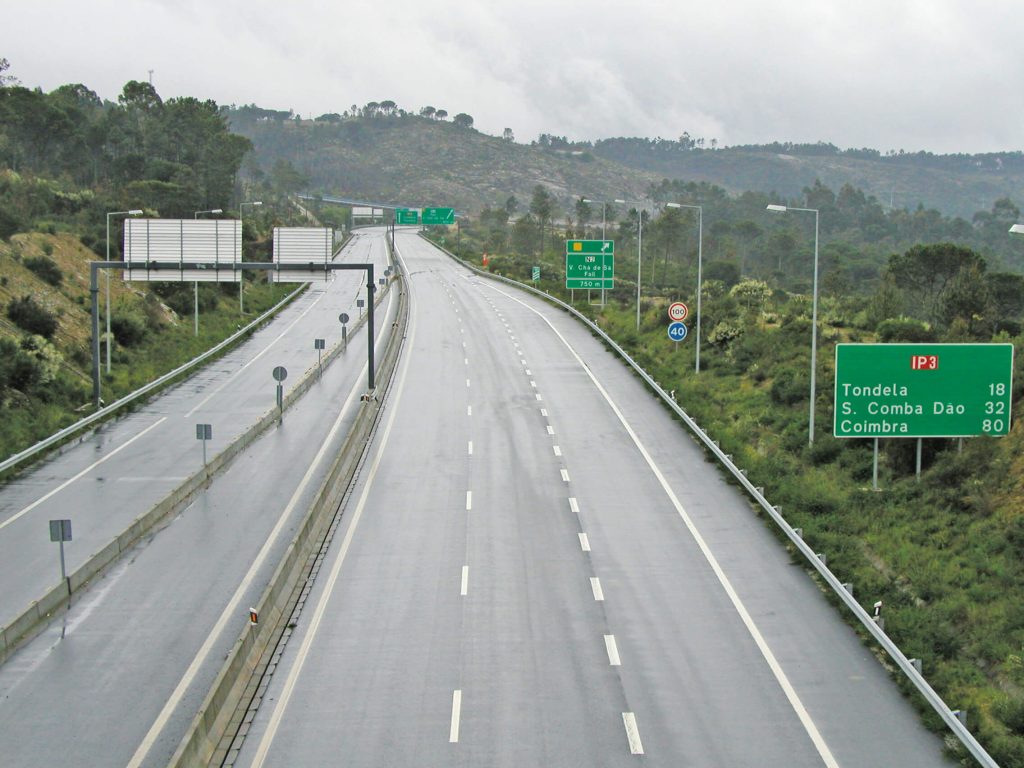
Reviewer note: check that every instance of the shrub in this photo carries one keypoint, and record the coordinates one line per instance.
(32, 317)
(128, 330)
(9, 224)
(904, 329)
(45, 269)
(790, 386)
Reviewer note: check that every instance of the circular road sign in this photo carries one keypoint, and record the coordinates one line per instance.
(280, 374)
(343, 317)
(677, 311)
(677, 331)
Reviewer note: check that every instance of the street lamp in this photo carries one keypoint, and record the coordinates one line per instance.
(639, 251)
(106, 272)
(700, 265)
(814, 311)
(241, 274)
(604, 208)
(195, 312)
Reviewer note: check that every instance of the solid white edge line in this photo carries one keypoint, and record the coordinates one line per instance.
(87, 470)
(307, 641)
(780, 676)
(613, 651)
(584, 542)
(595, 585)
(465, 580)
(636, 747)
(453, 731)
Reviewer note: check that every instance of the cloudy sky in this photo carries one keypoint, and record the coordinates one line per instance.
(940, 75)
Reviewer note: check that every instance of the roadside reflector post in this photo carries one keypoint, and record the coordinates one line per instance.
(204, 432)
(60, 531)
(254, 617)
(916, 664)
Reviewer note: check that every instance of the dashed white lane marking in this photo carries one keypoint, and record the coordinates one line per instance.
(595, 585)
(557, 450)
(544, 412)
(533, 383)
(470, 447)
(551, 430)
(453, 733)
(469, 410)
(613, 650)
(565, 475)
(584, 542)
(465, 581)
(632, 734)
(85, 471)
(541, 399)
(469, 500)
(463, 345)
(766, 652)
(466, 360)
(528, 373)
(467, 382)
(522, 360)
(573, 505)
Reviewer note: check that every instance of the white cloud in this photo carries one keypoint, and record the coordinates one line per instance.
(931, 74)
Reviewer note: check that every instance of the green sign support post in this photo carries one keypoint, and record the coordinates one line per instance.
(589, 264)
(438, 216)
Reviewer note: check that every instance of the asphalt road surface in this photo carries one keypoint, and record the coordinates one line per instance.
(117, 680)
(125, 467)
(538, 567)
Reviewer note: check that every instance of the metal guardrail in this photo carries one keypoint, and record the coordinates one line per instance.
(909, 670)
(102, 413)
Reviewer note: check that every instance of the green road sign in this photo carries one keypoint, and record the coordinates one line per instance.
(432, 216)
(606, 247)
(589, 270)
(536, 274)
(922, 390)
(407, 216)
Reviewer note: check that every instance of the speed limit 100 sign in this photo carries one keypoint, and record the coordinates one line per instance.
(677, 311)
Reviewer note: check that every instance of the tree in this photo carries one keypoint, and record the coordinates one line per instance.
(6, 80)
(511, 205)
(925, 272)
(388, 107)
(541, 206)
(462, 120)
(441, 114)
(582, 215)
(507, 135)
(428, 112)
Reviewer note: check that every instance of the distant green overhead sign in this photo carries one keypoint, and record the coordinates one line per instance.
(407, 216)
(435, 216)
(923, 390)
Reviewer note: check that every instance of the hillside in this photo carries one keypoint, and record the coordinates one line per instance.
(410, 159)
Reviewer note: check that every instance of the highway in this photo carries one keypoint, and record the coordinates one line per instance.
(117, 680)
(122, 469)
(538, 566)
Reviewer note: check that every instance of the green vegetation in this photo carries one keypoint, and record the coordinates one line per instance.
(943, 554)
(67, 158)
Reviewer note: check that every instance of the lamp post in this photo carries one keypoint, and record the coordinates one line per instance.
(133, 212)
(195, 312)
(639, 251)
(700, 266)
(604, 208)
(241, 232)
(814, 312)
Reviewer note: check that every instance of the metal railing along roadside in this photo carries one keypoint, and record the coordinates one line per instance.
(58, 437)
(893, 650)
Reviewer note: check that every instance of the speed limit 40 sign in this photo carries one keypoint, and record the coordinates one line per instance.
(677, 311)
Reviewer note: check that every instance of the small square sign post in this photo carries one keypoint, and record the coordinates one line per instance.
(60, 531)
(204, 432)
(320, 345)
